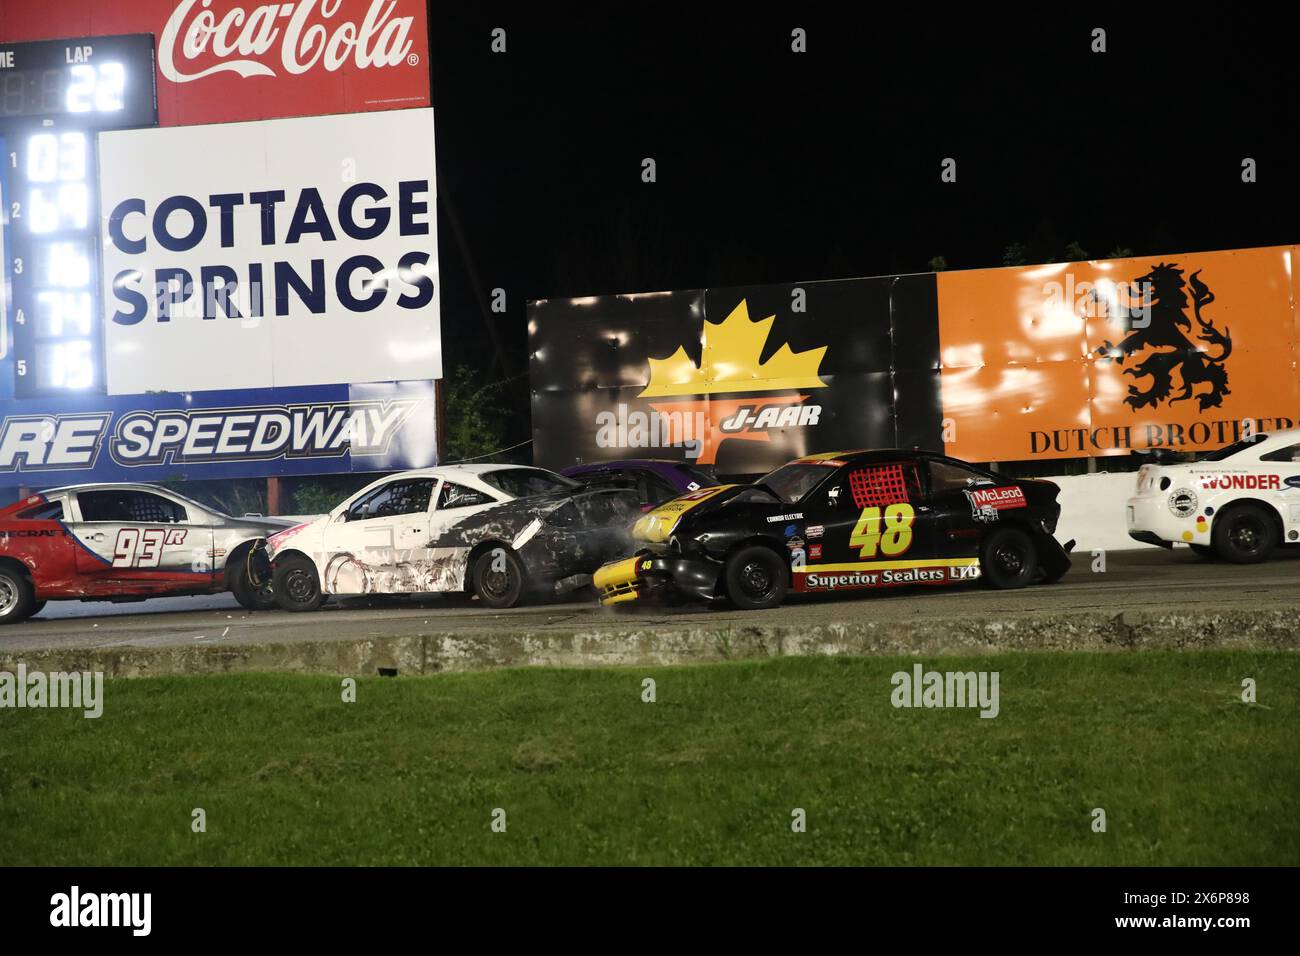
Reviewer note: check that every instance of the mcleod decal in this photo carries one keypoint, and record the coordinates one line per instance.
(985, 503)
(730, 363)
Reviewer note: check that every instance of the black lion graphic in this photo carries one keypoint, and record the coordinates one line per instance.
(1166, 348)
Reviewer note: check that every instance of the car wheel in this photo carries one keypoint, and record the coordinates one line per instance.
(254, 597)
(499, 578)
(296, 584)
(1203, 551)
(1246, 534)
(755, 578)
(1008, 559)
(17, 597)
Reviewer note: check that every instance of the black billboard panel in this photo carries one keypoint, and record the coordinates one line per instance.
(604, 341)
(740, 379)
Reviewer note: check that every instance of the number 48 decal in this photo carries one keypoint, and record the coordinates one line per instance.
(891, 532)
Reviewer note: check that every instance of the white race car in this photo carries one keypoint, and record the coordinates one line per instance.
(1238, 503)
(502, 532)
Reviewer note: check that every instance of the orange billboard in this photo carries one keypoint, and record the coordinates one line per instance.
(1082, 359)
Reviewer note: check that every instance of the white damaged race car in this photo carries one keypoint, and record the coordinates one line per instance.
(1238, 503)
(501, 532)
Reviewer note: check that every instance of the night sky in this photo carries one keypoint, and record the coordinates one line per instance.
(774, 166)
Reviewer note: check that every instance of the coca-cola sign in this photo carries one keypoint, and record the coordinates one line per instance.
(227, 60)
(241, 40)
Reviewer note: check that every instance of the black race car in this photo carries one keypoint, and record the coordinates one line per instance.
(840, 521)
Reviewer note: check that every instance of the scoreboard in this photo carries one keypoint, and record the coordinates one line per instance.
(218, 240)
(55, 97)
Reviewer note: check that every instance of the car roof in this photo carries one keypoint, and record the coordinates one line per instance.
(110, 486)
(631, 463)
(1272, 441)
(867, 454)
(450, 471)
(674, 471)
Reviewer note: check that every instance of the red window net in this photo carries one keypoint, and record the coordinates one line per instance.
(878, 486)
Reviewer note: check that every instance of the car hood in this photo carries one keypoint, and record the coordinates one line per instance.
(659, 525)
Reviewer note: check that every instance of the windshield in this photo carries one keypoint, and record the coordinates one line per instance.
(1227, 451)
(526, 482)
(791, 482)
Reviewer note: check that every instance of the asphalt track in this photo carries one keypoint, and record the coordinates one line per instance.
(1146, 580)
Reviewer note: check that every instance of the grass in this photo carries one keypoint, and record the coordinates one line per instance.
(709, 774)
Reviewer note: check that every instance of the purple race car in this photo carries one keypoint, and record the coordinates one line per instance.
(654, 480)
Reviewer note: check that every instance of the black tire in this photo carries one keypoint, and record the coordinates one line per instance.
(249, 595)
(754, 578)
(296, 584)
(1244, 534)
(502, 586)
(1008, 559)
(1203, 551)
(37, 608)
(17, 596)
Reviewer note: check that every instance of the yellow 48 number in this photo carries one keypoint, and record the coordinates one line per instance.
(891, 532)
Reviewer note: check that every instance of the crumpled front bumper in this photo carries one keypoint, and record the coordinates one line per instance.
(1053, 557)
(648, 574)
(260, 566)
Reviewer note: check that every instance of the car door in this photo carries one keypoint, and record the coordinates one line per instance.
(959, 498)
(379, 543)
(138, 541)
(872, 513)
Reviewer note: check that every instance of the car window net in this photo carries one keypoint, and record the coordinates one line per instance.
(879, 486)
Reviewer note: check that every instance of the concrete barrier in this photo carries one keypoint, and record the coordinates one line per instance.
(662, 644)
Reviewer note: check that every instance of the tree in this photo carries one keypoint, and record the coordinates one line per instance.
(1076, 253)
(1016, 254)
(473, 419)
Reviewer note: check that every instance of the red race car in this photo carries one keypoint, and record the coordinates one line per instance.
(124, 543)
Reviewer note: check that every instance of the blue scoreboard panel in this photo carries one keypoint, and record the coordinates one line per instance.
(55, 96)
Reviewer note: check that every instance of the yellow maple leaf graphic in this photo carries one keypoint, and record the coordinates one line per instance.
(730, 362)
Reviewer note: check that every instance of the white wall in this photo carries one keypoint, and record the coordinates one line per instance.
(1092, 511)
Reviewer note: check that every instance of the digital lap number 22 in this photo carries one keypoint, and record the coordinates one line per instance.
(137, 548)
(890, 532)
